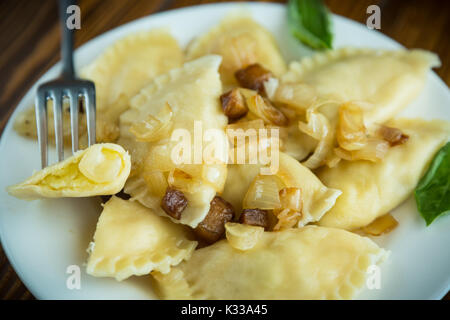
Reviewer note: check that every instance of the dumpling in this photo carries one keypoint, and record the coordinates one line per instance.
(386, 80)
(240, 41)
(131, 240)
(316, 197)
(119, 73)
(306, 263)
(25, 124)
(102, 169)
(126, 67)
(372, 189)
(188, 99)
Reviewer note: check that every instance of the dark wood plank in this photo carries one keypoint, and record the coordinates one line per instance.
(29, 46)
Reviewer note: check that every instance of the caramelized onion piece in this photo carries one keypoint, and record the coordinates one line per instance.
(291, 207)
(291, 198)
(319, 128)
(182, 181)
(317, 125)
(263, 108)
(212, 228)
(233, 104)
(353, 139)
(373, 150)
(262, 194)
(253, 77)
(255, 217)
(242, 237)
(381, 225)
(350, 132)
(394, 136)
(286, 219)
(173, 203)
(153, 128)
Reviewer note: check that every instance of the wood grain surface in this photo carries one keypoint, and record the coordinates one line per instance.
(29, 46)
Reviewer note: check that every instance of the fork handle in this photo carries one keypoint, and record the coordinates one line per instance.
(67, 38)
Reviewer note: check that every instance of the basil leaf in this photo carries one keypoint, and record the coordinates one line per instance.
(309, 21)
(433, 191)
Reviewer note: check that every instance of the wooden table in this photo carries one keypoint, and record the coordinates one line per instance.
(29, 46)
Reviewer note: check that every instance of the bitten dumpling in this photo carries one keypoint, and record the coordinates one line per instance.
(185, 105)
(101, 169)
(306, 263)
(387, 81)
(372, 189)
(240, 41)
(132, 240)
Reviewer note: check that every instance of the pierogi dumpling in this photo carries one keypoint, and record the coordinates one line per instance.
(372, 189)
(131, 239)
(240, 41)
(301, 263)
(387, 81)
(187, 98)
(317, 198)
(101, 169)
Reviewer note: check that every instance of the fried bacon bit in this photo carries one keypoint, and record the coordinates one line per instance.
(212, 228)
(394, 136)
(233, 104)
(381, 225)
(174, 202)
(255, 217)
(253, 77)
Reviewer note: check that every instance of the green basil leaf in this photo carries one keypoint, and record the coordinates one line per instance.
(433, 191)
(309, 21)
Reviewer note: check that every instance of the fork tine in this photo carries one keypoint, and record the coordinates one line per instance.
(73, 99)
(57, 116)
(90, 114)
(41, 124)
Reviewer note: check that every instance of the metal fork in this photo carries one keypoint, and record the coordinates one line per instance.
(67, 86)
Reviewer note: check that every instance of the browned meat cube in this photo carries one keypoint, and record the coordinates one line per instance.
(255, 217)
(253, 77)
(394, 136)
(174, 202)
(212, 227)
(233, 104)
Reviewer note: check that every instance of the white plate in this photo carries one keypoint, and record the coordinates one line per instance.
(42, 238)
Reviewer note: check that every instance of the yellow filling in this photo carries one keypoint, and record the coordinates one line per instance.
(101, 165)
(97, 166)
